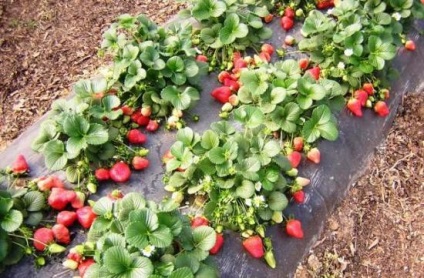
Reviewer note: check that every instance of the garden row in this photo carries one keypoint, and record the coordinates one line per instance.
(238, 175)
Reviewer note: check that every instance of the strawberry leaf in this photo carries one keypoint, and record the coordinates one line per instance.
(183, 272)
(103, 206)
(12, 221)
(34, 201)
(277, 201)
(204, 238)
(55, 156)
(117, 260)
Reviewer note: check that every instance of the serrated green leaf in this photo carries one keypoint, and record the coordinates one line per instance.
(136, 234)
(209, 140)
(103, 206)
(147, 217)
(246, 189)
(162, 237)
(277, 201)
(12, 221)
(117, 260)
(217, 155)
(183, 272)
(55, 156)
(204, 238)
(34, 201)
(97, 135)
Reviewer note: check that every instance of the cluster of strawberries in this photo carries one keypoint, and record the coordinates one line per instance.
(364, 97)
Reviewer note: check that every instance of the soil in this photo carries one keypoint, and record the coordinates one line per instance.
(378, 231)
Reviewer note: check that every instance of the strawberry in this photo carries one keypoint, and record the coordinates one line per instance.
(299, 196)
(146, 111)
(167, 157)
(66, 218)
(115, 195)
(139, 119)
(76, 253)
(354, 105)
(268, 18)
(294, 157)
(381, 109)
(362, 96)
(199, 221)
(102, 174)
(233, 100)
(222, 94)
(266, 47)
(265, 57)
(324, 4)
(140, 163)
(59, 198)
(315, 72)
(79, 200)
(302, 181)
(61, 234)
(223, 75)
(234, 85)
(202, 58)
(298, 144)
(58, 183)
(410, 45)
(42, 238)
(294, 228)
(286, 23)
(254, 246)
(219, 242)
(45, 183)
(314, 155)
(70, 264)
(86, 216)
(304, 63)
(289, 40)
(20, 165)
(120, 172)
(136, 137)
(127, 110)
(152, 126)
(369, 88)
(240, 63)
(84, 265)
(385, 93)
(289, 12)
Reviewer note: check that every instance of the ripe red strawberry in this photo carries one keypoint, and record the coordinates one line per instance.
(59, 198)
(61, 234)
(234, 85)
(58, 183)
(362, 96)
(254, 246)
(268, 18)
(152, 126)
(66, 218)
(315, 72)
(410, 45)
(136, 137)
(127, 110)
(199, 221)
(299, 196)
(146, 111)
(369, 88)
(86, 216)
(324, 4)
(140, 163)
(294, 228)
(286, 23)
(120, 172)
(79, 200)
(240, 63)
(42, 238)
(223, 75)
(294, 157)
(265, 57)
(314, 155)
(266, 47)
(84, 265)
(115, 195)
(289, 12)
(304, 63)
(219, 242)
(298, 144)
(139, 119)
(354, 105)
(202, 58)
(102, 174)
(222, 94)
(289, 40)
(20, 165)
(381, 109)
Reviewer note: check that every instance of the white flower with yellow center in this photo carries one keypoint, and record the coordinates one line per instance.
(348, 52)
(341, 65)
(148, 250)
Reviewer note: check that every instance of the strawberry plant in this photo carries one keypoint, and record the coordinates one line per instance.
(153, 67)
(228, 26)
(132, 237)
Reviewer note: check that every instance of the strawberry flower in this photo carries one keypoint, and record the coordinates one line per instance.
(348, 52)
(148, 250)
